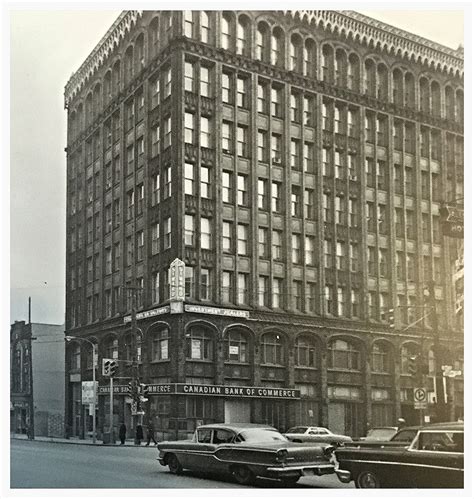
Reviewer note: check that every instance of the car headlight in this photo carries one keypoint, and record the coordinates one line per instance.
(281, 455)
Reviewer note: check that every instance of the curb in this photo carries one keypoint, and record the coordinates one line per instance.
(83, 443)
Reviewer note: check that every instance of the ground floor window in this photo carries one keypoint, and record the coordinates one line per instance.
(307, 413)
(382, 415)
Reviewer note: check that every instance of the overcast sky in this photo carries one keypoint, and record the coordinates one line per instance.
(46, 48)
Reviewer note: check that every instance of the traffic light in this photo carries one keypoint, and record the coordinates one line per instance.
(132, 388)
(391, 318)
(145, 389)
(113, 368)
(412, 365)
(106, 363)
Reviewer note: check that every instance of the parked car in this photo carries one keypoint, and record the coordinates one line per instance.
(246, 451)
(316, 434)
(402, 438)
(434, 459)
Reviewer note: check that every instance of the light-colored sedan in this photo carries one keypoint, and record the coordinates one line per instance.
(316, 434)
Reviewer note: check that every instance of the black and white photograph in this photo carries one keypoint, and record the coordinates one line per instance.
(236, 247)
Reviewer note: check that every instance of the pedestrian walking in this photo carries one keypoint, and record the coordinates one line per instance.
(139, 435)
(122, 433)
(150, 434)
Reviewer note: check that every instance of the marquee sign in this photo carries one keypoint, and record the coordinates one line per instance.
(212, 390)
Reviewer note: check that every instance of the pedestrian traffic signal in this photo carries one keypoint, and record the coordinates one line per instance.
(113, 368)
(412, 367)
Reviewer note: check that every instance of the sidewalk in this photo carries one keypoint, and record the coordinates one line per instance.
(78, 441)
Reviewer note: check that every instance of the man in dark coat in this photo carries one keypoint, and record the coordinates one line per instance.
(122, 433)
(139, 435)
(150, 434)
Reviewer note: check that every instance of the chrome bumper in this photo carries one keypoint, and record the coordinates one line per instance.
(344, 475)
(322, 469)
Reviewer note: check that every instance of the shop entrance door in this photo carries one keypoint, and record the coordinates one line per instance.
(237, 411)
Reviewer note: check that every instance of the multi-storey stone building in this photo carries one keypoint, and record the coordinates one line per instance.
(296, 163)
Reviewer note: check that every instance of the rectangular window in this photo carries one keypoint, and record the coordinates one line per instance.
(295, 201)
(205, 132)
(242, 141)
(263, 242)
(108, 260)
(226, 187)
(128, 250)
(341, 302)
(155, 92)
(276, 102)
(276, 197)
(167, 80)
(276, 149)
(205, 233)
(205, 183)
(189, 282)
(189, 179)
(277, 292)
(167, 132)
(340, 255)
(242, 190)
(155, 140)
(262, 194)
(242, 239)
(308, 157)
(189, 230)
(188, 128)
(298, 295)
(307, 111)
(277, 244)
(155, 287)
(309, 250)
(227, 287)
(242, 289)
(140, 245)
(155, 238)
(328, 299)
(263, 291)
(167, 233)
(226, 88)
(309, 204)
(188, 77)
(339, 164)
(262, 146)
(261, 98)
(130, 204)
(226, 237)
(340, 209)
(241, 92)
(205, 289)
(155, 194)
(311, 297)
(108, 302)
(205, 82)
(226, 137)
(295, 109)
(117, 256)
(296, 248)
(167, 186)
(295, 153)
(327, 168)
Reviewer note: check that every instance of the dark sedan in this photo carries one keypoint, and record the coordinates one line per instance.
(434, 459)
(246, 451)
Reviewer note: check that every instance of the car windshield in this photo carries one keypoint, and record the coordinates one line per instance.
(381, 433)
(260, 435)
(297, 429)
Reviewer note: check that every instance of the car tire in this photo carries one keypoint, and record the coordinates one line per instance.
(367, 480)
(173, 464)
(290, 480)
(243, 475)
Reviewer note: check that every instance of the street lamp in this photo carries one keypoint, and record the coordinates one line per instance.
(94, 387)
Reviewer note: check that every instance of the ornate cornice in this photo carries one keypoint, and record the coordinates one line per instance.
(373, 33)
(119, 29)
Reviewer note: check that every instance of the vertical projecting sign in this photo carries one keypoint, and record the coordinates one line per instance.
(177, 282)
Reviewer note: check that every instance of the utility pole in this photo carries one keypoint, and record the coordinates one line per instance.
(440, 402)
(31, 433)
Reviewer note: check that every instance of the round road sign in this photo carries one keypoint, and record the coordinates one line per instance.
(419, 394)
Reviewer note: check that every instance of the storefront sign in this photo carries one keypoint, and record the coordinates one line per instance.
(148, 313)
(212, 390)
(233, 350)
(225, 312)
(177, 280)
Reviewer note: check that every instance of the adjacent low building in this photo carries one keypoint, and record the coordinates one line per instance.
(37, 379)
(295, 163)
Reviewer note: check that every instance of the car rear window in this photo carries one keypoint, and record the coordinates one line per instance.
(261, 435)
(381, 433)
(297, 429)
(404, 436)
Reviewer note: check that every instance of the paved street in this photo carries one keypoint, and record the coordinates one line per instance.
(58, 465)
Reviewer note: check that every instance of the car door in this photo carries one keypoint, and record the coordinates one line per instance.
(198, 455)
